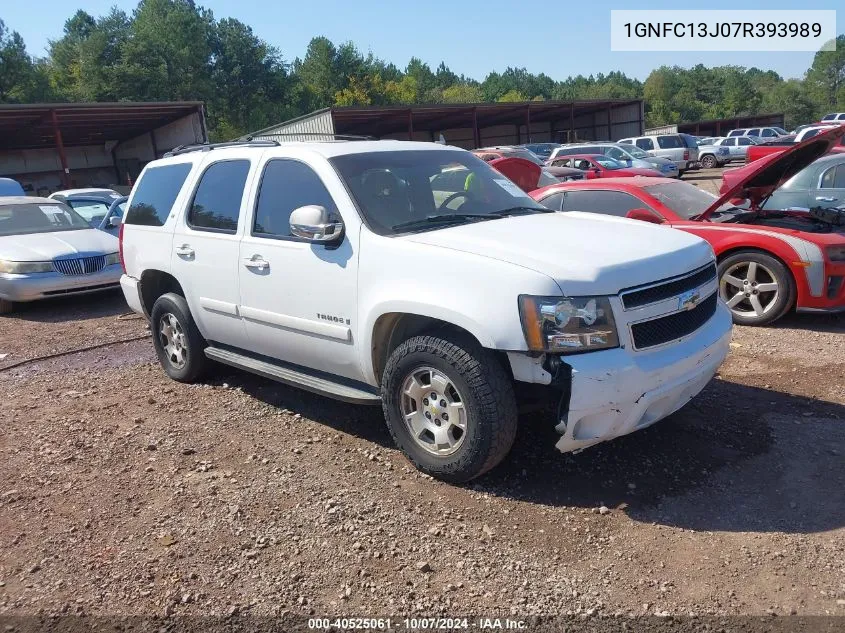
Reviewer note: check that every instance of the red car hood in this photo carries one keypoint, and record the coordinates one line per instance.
(523, 173)
(756, 181)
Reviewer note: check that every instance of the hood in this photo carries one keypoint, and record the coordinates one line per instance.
(522, 172)
(586, 254)
(758, 180)
(42, 247)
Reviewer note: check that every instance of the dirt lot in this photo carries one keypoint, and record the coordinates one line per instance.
(125, 493)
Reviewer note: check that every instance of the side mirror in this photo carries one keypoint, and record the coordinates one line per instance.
(114, 221)
(644, 215)
(311, 222)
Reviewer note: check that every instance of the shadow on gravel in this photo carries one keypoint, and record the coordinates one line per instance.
(737, 458)
(366, 422)
(75, 308)
(831, 323)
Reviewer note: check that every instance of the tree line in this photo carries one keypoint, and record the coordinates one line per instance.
(177, 50)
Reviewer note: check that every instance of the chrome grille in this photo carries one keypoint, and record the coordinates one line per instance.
(80, 265)
(668, 288)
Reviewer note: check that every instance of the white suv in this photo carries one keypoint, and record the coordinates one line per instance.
(369, 272)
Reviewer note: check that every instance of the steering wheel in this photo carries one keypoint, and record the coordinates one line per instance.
(455, 195)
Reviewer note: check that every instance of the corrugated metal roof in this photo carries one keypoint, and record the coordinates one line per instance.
(29, 126)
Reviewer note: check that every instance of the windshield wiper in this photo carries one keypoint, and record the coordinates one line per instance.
(445, 218)
(521, 211)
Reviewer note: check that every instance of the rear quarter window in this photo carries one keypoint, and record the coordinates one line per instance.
(155, 194)
(670, 142)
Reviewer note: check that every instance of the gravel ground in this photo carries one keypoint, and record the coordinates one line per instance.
(125, 493)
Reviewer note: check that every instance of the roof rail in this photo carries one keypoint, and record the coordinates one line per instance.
(207, 147)
(338, 137)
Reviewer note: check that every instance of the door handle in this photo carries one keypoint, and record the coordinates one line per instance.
(256, 261)
(825, 199)
(185, 250)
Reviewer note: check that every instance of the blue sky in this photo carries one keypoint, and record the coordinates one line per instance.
(473, 37)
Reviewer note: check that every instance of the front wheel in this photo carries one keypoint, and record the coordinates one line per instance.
(757, 287)
(708, 161)
(450, 406)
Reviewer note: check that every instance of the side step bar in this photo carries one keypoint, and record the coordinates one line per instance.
(294, 377)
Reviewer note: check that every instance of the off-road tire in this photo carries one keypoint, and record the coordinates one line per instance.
(197, 363)
(488, 397)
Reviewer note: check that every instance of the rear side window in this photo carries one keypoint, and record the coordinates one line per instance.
(217, 201)
(670, 142)
(736, 133)
(287, 185)
(834, 178)
(645, 143)
(829, 117)
(744, 140)
(155, 194)
(554, 201)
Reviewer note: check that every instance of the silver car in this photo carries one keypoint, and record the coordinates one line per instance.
(671, 146)
(48, 250)
(715, 154)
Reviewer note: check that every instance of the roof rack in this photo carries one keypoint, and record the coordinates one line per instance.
(207, 147)
(338, 137)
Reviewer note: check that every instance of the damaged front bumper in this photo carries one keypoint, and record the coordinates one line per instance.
(612, 393)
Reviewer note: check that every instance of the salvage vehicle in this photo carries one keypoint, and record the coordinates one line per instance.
(770, 260)
(11, 187)
(820, 184)
(601, 166)
(718, 152)
(49, 250)
(342, 268)
(761, 149)
(630, 155)
(95, 205)
(760, 132)
(670, 146)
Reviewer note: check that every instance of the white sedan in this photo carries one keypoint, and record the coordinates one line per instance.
(47, 250)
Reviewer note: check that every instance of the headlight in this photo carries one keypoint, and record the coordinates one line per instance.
(112, 258)
(836, 253)
(25, 268)
(567, 324)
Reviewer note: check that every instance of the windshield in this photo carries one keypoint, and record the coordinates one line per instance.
(608, 163)
(686, 200)
(524, 153)
(634, 151)
(546, 179)
(393, 189)
(93, 211)
(21, 219)
(780, 131)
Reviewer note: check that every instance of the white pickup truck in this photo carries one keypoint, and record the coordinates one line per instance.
(415, 276)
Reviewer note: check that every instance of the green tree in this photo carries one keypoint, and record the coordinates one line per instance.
(462, 93)
(825, 79)
(19, 80)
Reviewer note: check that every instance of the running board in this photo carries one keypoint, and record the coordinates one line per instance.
(293, 377)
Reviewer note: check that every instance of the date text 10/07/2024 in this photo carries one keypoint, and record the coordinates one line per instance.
(416, 624)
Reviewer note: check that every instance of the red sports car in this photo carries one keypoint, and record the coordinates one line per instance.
(600, 166)
(769, 261)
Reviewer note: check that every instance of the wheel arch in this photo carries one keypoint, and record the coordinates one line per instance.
(155, 283)
(390, 329)
(721, 256)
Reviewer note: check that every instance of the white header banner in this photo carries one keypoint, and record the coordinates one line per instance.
(699, 30)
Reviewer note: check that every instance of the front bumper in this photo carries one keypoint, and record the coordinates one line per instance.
(23, 288)
(618, 391)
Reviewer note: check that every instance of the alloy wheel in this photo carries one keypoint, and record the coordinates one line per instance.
(750, 289)
(433, 411)
(173, 340)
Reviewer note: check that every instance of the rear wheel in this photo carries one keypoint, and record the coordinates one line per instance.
(449, 406)
(757, 287)
(708, 161)
(178, 343)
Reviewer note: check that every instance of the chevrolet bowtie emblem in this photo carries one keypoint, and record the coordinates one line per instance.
(689, 300)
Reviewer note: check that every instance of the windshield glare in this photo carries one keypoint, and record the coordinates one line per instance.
(634, 151)
(394, 188)
(21, 219)
(686, 200)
